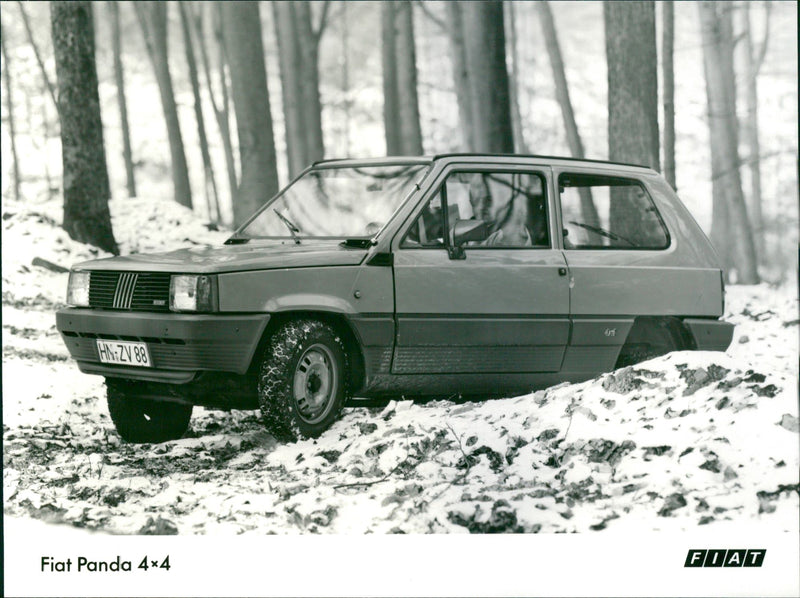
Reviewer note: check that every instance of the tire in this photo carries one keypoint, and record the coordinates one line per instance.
(302, 382)
(141, 420)
(649, 338)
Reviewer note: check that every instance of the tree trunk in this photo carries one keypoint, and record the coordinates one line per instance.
(346, 80)
(291, 92)
(720, 219)
(488, 77)
(632, 98)
(391, 117)
(222, 61)
(12, 131)
(753, 61)
(220, 114)
(86, 190)
(152, 17)
(588, 210)
(208, 169)
(632, 82)
(311, 105)
(728, 195)
(728, 44)
(400, 103)
(298, 52)
(668, 78)
(119, 78)
(241, 29)
(408, 102)
(37, 54)
(458, 54)
(513, 81)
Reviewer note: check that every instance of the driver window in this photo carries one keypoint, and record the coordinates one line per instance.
(513, 205)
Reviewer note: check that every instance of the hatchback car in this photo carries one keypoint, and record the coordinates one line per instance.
(455, 274)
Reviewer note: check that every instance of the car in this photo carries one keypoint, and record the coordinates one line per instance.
(449, 275)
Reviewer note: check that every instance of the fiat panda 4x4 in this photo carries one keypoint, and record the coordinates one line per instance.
(446, 275)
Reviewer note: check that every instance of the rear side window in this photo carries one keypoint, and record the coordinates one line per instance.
(604, 212)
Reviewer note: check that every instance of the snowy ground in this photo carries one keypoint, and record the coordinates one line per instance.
(687, 440)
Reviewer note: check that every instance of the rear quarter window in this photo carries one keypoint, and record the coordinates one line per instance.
(608, 212)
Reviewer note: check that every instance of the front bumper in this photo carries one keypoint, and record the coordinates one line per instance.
(180, 345)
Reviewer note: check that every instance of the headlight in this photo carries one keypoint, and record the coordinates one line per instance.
(78, 289)
(192, 292)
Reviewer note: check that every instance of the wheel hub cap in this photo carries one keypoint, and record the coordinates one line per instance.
(314, 383)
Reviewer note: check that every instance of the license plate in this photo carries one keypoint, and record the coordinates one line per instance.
(124, 353)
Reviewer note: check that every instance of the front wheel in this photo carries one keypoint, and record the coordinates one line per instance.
(142, 420)
(302, 382)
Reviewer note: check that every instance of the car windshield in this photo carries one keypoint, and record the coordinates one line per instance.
(345, 202)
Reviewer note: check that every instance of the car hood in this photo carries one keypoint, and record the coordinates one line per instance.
(256, 255)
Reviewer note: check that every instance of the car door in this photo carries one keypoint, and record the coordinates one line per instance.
(502, 306)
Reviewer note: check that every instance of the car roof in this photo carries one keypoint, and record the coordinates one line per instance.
(383, 161)
(547, 158)
(472, 157)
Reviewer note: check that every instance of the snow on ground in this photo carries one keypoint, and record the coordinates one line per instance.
(690, 439)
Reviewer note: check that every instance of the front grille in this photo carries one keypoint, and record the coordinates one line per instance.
(137, 291)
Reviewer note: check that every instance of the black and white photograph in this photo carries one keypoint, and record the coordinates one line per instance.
(400, 297)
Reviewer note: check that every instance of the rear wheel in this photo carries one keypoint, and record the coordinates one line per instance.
(142, 420)
(649, 338)
(302, 382)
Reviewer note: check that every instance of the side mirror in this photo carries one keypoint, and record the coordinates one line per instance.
(465, 231)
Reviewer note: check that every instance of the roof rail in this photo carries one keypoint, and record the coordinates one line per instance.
(571, 159)
(420, 159)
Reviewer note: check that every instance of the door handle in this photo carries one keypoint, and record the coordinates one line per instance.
(562, 271)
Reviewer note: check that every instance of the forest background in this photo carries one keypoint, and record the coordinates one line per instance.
(363, 79)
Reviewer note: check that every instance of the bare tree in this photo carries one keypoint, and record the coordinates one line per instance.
(485, 45)
(208, 169)
(39, 144)
(298, 52)
(400, 101)
(309, 37)
(220, 108)
(391, 120)
(754, 55)
(405, 51)
(12, 131)
(86, 190)
(458, 55)
(241, 28)
(119, 78)
(37, 54)
(291, 90)
(734, 242)
(630, 29)
(345, 62)
(152, 17)
(513, 79)
(632, 82)
(668, 78)
(588, 210)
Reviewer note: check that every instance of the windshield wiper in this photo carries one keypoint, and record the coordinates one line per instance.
(292, 228)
